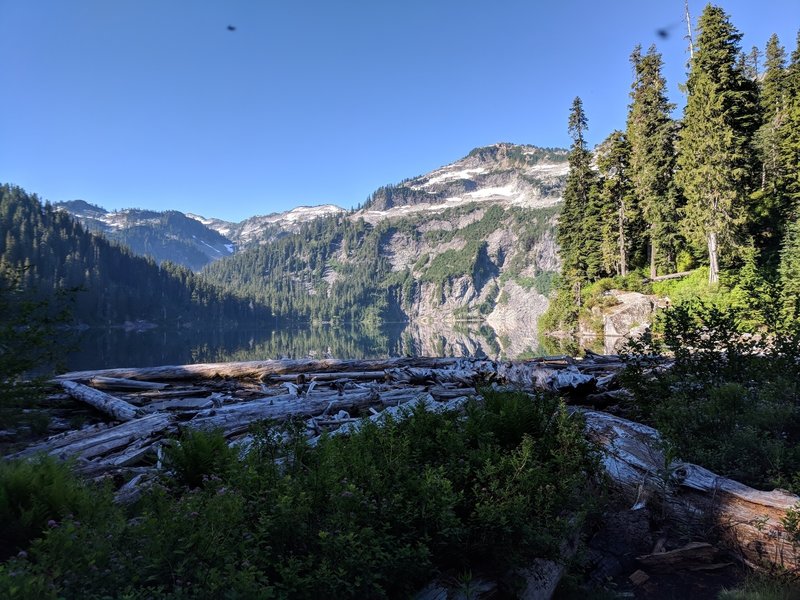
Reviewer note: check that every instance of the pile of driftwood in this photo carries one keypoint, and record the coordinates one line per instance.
(147, 406)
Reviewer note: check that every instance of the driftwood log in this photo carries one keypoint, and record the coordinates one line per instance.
(110, 405)
(749, 521)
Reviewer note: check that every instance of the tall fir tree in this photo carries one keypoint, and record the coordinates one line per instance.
(651, 134)
(579, 254)
(715, 164)
(620, 219)
(790, 139)
(770, 203)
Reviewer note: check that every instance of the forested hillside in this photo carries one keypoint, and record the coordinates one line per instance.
(55, 253)
(472, 240)
(456, 261)
(716, 191)
(163, 236)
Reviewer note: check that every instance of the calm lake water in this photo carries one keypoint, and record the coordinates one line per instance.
(108, 348)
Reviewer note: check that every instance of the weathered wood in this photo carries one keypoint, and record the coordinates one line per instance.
(348, 375)
(115, 383)
(114, 407)
(181, 404)
(748, 521)
(94, 442)
(236, 418)
(670, 276)
(257, 369)
(538, 377)
(685, 557)
(421, 375)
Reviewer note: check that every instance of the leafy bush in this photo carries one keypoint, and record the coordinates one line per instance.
(37, 495)
(198, 455)
(731, 401)
(374, 514)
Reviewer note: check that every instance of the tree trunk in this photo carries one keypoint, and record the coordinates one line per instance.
(713, 264)
(255, 369)
(653, 269)
(623, 263)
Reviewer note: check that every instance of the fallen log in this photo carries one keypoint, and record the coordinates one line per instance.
(748, 521)
(236, 418)
(258, 369)
(94, 442)
(114, 407)
(530, 375)
(115, 383)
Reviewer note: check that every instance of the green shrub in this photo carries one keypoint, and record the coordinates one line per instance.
(35, 496)
(730, 402)
(374, 514)
(198, 455)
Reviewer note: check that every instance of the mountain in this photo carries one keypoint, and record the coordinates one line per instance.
(163, 236)
(50, 253)
(504, 174)
(187, 239)
(267, 228)
(471, 241)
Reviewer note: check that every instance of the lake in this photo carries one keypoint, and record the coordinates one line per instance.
(99, 348)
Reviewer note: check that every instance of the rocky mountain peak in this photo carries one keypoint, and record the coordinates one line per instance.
(503, 173)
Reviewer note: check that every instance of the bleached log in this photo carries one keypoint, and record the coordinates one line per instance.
(749, 521)
(114, 407)
(256, 369)
(181, 404)
(533, 376)
(115, 383)
(94, 442)
(422, 375)
(349, 375)
(235, 418)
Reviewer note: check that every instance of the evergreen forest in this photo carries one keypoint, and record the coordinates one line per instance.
(45, 251)
(715, 192)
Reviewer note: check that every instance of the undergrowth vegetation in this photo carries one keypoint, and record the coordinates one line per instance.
(731, 401)
(375, 514)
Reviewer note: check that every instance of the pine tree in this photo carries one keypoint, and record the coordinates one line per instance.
(715, 169)
(651, 135)
(789, 272)
(578, 253)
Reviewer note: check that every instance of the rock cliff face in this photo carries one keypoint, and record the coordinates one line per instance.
(627, 318)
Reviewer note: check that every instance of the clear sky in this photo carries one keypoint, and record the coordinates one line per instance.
(156, 104)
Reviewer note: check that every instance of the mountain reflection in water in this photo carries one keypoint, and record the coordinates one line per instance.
(109, 348)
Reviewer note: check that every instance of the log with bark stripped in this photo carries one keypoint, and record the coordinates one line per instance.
(749, 521)
(114, 407)
(256, 369)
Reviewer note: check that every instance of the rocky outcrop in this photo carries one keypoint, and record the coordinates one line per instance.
(625, 316)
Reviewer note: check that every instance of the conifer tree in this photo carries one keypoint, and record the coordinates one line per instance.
(789, 272)
(770, 201)
(790, 139)
(651, 135)
(715, 169)
(620, 222)
(578, 253)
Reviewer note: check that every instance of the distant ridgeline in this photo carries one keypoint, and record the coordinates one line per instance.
(57, 253)
(164, 236)
(468, 240)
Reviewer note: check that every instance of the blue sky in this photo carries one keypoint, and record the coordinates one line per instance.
(155, 104)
